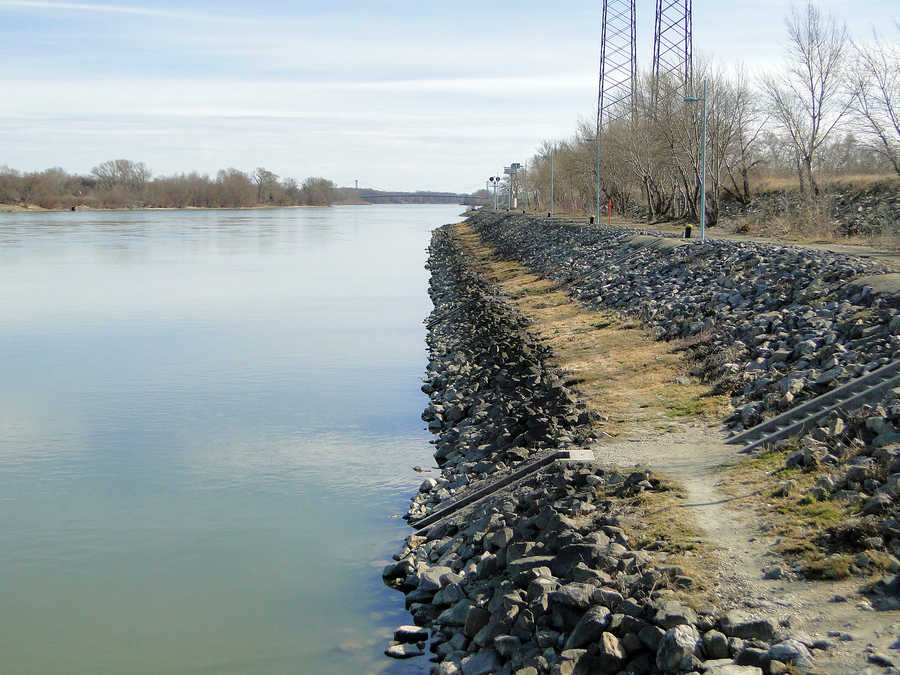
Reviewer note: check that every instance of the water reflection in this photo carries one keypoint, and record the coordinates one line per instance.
(207, 420)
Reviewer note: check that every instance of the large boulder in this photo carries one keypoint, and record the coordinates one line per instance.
(589, 628)
(677, 649)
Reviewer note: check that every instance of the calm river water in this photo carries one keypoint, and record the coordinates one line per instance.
(207, 420)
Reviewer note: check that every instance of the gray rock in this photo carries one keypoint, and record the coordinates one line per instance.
(476, 619)
(886, 438)
(875, 424)
(431, 578)
(507, 645)
(519, 566)
(792, 652)
(610, 655)
(753, 656)
(485, 662)
(403, 651)
(589, 628)
(496, 626)
(455, 615)
(880, 659)
(410, 634)
(651, 636)
(715, 644)
(673, 614)
(738, 623)
(878, 503)
(447, 668)
(576, 595)
(569, 556)
(677, 649)
(500, 538)
(730, 668)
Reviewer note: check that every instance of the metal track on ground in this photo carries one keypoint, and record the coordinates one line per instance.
(487, 487)
(797, 420)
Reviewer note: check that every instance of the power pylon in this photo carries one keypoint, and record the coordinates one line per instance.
(673, 43)
(618, 61)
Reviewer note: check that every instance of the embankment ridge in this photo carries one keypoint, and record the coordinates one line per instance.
(540, 576)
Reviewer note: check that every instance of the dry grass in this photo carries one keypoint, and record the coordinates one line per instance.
(796, 519)
(660, 524)
(618, 368)
(628, 378)
(776, 183)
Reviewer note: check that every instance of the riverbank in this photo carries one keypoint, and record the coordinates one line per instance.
(15, 208)
(660, 423)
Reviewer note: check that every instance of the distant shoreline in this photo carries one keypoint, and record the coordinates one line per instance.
(31, 208)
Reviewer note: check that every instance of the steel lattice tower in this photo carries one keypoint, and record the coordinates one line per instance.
(673, 43)
(618, 61)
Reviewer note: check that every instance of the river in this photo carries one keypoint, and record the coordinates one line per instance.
(207, 422)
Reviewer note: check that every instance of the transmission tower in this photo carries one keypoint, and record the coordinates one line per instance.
(673, 43)
(618, 62)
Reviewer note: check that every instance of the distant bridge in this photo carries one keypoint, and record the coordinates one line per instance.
(379, 197)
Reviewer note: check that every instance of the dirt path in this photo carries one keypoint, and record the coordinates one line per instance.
(884, 254)
(695, 457)
(652, 415)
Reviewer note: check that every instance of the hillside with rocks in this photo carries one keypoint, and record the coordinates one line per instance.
(542, 575)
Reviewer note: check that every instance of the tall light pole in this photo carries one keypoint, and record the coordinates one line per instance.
(525, 183)
(550, 157)
(694, 99)
(597, 172)
(596, 141)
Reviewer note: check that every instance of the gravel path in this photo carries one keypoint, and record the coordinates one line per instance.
(693, 456)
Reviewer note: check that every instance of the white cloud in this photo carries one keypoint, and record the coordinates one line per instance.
(110, 9)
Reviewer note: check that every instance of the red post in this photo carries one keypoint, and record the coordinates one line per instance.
(609, 212)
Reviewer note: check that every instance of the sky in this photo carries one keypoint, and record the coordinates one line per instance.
(398, 95)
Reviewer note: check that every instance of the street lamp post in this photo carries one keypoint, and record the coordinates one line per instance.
(552, 156)
(596, 141)
(525, 183)
(597, 175)
(694, 99)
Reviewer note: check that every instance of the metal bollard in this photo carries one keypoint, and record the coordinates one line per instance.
(687, 231)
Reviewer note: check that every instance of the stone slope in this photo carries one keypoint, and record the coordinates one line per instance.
(771, 325)
(541, 577)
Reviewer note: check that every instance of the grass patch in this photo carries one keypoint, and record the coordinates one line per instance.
(692, 407)
(816, 565)
(621, 370)
(661, 525)
(800, 522)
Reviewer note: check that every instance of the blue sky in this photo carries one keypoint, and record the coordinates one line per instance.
(400, 95)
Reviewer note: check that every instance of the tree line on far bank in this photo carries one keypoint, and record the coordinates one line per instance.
(122, 183)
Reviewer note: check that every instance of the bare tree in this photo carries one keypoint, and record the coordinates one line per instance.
(743, 154)
(264, 180)
(317, 191)
(807, 100)
(875, 91)
(121, 173)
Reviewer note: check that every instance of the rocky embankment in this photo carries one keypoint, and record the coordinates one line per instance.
(771, 325)
(866, 211)
(540, 577)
